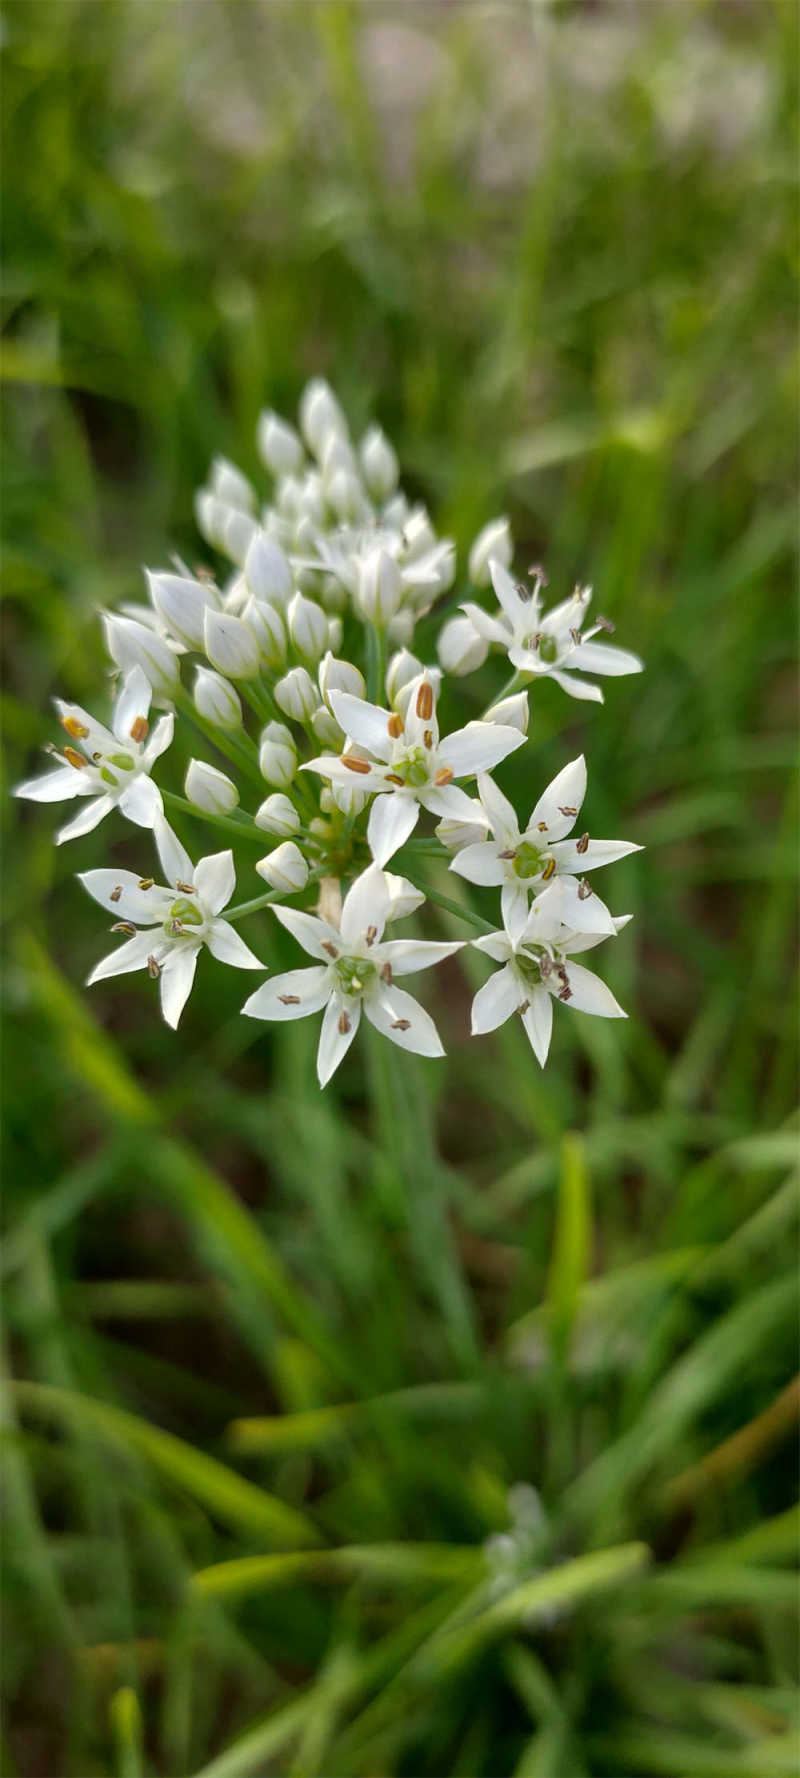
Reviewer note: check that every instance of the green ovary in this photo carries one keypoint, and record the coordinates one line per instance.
(354, 974)
(548, 649)
(412, 768)
(528, 862)
(187, 912)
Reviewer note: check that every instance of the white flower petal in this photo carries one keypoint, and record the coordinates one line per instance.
(225, 943)
(215, 880)
(141, 802)
(478, 747)
(566, 791)
(406, 955)
(175, 862)
(578, 688)
(480, 863)
(495, 1001)
(365, 905)
(175, 982)
(520, 612)
(391, 819)
(514, 908)
(329, 765)
(596, 853)
(597, 657)
(311, 932)
(98, 738)
(133, 700)
(495, 945)
(146, 907)
(538, 1021)
(492, 629)
(339, 1026)
(502, 816)
(587, 913)
(401, 1018)
(365, 723)
(545, 916)
(124, 959)
(290, 996)
(87, 818)
(160, 739)
(58, 786)
(590, 994)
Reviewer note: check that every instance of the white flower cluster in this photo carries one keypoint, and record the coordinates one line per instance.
(307, 688)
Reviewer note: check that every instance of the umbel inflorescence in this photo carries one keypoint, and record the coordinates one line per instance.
(305, 683)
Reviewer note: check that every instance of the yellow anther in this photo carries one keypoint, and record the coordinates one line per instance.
(153, 969)
(425, 701)
(355, 765)
(395, 726)
(76, 729)
(76, 759)
(344, 1023)
(140, 728)
(445, 776)
(145, 882)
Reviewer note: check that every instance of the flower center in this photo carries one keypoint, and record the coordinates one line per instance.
(548, 649)
(528, 861)
(182, 914)
(413, 767)
(354, 974)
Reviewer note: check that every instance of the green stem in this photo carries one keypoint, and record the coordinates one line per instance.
(517, 682)
(263, 901)
(224, 741)
(376, 662)
(260, 704)
(244, 829)
(453, 907)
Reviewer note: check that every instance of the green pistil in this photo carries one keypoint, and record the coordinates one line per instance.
(528, 966)
(548, 649)
(187, 912)
(122, 761)
(413, 768)
(354, 973)
(528, 862)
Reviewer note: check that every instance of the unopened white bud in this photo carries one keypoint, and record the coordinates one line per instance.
(459, 832)
(492, 544)
(308, 627)
(285, 868)
(379, 463)
(132, 644)
(326, 801)
(279, 445)
(312, 500)
(288, 496)
(209, 789)
(181, 603)
(396, 512)
(267, 571)
(337, 453)
(460, 648)
(265, 623)
(238, 532)
(404, 899)
(216, 699)
(345, 495)
(210, 514)
(350, 802)
(341, 676)
(335, 634)
(511, 712)
(229, 644)
(296, 694)
(277, 755)
(230, 485)
(277, 815)
(403, 696)
(326, 728)
(331, 593)
(380, 589)
(418, 533)
(401, 628)
(402, 668)
(320, 414)
(236, 594)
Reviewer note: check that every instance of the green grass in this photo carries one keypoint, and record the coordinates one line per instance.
(275, 1358)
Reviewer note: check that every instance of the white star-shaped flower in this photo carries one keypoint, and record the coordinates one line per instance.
(537, 968)
(402, 761)
(525, 861)
(179, 919)
(355, 970)
(112, 766)
(549, 644)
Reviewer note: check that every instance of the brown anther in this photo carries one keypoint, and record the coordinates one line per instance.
(566, 811)
(185, 888)
(538, 573)
(153, 969)
(549, 870)
(371, 934)
(147, 883)
(116, 894)
(584, 890)
(395, 726)
(565, 993)
(523, 1007)
(428, 737)
(523, 590)
(536, 639)
(355, 765)
(176, 928)
(76, 729)
(140, 729)
(331, 949)
(344, 1023)
(509, 854)
(289, 999)
(96, 757)
(582, 845)
(401, 1024)
(385, 973)
(76, 759)
(541, 827)
(545, 968)
(445, 776)
(124, 926)
(604, 623)
(393, 778)
(425, 701)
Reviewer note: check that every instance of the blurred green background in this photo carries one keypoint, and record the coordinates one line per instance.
(282, 1359)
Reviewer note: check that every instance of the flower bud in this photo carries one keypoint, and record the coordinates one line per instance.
(492, 544)
(209, 789)
(458, 832)
(345, 495)
(327, 729)
(296, 694)
(320, 414)
(236, 594)
(331, 593)
(404, 899)
(311, 506)
(460, 648)
(403, 697)
(350, 802)
(337, 453)
(511, 712)
(238, 531)
(308, 627)
(267, 571)
(418, 533)
(230, 645)
(401, 628)
(379, 463)
(277, 755)
(380, 588)
(335, 634)
(216, 699)
(230, 485)
(341, 676)
(210, 514)
(132, 644)
(181, 602)
(285, 868)
(288, 496)
(279, 446)
(265, 623)
(402, 668)
(277, 815)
